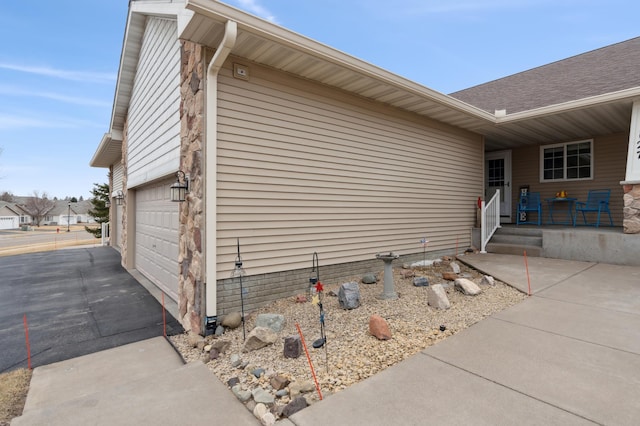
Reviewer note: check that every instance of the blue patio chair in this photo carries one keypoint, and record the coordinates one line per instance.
(529, 202)
(597, 202)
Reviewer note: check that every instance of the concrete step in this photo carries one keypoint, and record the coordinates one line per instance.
(161, 390)
(523, 240)
(530, 231)
(516, 249)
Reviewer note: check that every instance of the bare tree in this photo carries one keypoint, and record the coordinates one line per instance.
(6, 196)
(38, 206)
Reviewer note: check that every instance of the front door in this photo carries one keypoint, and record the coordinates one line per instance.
(497, 166)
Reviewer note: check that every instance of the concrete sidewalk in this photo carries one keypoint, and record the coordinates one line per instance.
(570, 354)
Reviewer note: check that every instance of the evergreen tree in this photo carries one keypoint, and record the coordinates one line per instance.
(100, 211)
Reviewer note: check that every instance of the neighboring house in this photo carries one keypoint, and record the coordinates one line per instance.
(293, 147)
(66, 213)
(10, 215)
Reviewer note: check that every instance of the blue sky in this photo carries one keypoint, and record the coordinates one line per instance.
(59, 61)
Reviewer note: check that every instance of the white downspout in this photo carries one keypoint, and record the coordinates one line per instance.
(211, 164)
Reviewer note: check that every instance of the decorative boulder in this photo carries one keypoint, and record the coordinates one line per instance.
(349, 295)
(292, 347)
(259, 338)
(455, 268)
(379, 328)
(467, 287)
(275, 322)
(232, 320)
(488, 280)
(450, 276)
(369, 279)
(421, 281)
(437, 297)
(294, 406)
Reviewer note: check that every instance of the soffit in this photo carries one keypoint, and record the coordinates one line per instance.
(276, 47)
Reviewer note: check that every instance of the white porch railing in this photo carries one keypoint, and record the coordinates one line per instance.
(105, 233)
(490, 220)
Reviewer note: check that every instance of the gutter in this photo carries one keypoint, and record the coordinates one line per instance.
(211, 166)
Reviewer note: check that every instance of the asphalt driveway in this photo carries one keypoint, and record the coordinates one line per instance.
(77, 301)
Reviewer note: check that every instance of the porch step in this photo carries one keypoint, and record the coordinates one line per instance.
(515, 240)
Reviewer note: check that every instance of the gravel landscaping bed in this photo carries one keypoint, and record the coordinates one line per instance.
(351, 354)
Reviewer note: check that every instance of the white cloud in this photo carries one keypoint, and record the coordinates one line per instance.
(12, 91)
(12, 121)
(82, 76)
(256, 8)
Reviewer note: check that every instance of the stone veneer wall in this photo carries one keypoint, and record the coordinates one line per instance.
(631, 221)
(191, 290)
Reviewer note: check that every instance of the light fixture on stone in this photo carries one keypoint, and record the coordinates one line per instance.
(239, 272)
(119, 197)
(180, 188)
(315, 275)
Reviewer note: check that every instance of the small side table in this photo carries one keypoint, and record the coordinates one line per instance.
(552, 203)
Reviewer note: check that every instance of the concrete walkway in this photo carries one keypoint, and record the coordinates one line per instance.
(570, 354)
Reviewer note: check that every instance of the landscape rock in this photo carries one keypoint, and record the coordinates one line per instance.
(349, 295)
(292, 347)
(214, 354)
(379, 328)
(232, 320)
(298, 403)
(219, 330)
(279, 382)
(407, 273)
(369, 279)
(262, 396)
(221, 345)
(236, 360)
(467, 287)
(450, 276)
(275, 322)
(421, 281)
(301, 298)
(242, 395)
(257, 372)
(260, 410)
(296, 388)
(455, 268)
(258, 338)
(282, 393)
(195, 339)
(487, 280)
(437, 297)
(233, 381)
(268, 419)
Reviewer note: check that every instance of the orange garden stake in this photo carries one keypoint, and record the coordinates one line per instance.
(26, 334)
(526, 265)
(313, 373)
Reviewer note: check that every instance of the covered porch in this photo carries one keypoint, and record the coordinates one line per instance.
(582, 243)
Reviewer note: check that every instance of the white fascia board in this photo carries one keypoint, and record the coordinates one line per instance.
(221, 12)
(627, 94)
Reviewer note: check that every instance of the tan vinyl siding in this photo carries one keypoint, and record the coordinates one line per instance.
(154, 120)
(302, 168)
(610, 157)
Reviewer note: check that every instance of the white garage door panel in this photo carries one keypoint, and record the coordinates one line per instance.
(156, 254)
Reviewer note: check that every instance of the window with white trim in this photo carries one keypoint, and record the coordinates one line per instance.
(566, 161)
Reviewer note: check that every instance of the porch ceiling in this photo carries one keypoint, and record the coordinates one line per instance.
(276, 47)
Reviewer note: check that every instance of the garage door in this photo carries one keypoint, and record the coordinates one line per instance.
(156, 252)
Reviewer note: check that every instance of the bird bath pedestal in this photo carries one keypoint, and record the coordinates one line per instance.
(387, 258)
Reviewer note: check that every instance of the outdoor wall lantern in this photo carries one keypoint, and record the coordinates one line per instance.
(119, 197)
(180, 188)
